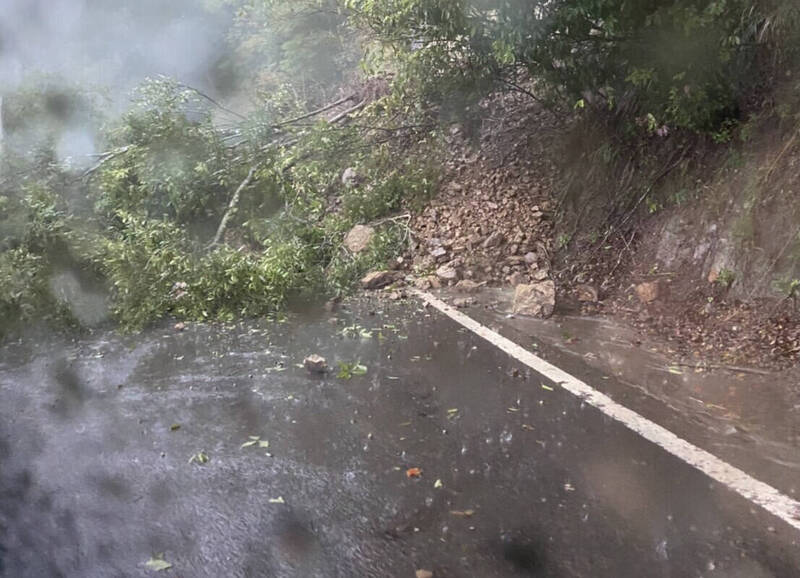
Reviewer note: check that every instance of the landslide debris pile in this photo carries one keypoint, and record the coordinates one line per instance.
(491, 222)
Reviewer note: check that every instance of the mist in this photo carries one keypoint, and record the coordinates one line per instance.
(111, 45)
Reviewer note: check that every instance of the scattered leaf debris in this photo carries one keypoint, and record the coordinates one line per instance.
(413, 472)
(199, 458)
(255, 441)
(157, 563)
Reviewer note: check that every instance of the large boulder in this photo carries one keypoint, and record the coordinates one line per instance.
(535, 299)
(358, 238)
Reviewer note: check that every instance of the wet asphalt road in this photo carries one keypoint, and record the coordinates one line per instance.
(95, 475)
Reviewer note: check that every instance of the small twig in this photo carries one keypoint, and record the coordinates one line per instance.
(405, 216)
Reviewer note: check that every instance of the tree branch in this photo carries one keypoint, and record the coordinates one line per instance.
(325, 108)
(232, 206)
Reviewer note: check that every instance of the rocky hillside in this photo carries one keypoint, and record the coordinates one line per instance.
(678, 271)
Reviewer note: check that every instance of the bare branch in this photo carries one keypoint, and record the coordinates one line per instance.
(232, 206)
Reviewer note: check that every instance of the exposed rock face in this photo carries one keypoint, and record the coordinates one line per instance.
(315, 363)
(648, 291)
(358, 238)
(537, 299)
(378, 279)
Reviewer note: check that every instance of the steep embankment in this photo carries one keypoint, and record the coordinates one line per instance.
(689, 241)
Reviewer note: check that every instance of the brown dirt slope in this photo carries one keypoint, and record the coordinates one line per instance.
(501, 219)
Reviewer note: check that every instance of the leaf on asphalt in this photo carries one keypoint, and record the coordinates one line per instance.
(547, 387)
(438, 484)
(413, 472)
(263, 443)
(452, 410)
(278, 500)
(158, 564)
(675, 370)
(200, 458)
(247, 444)
(175, 427)
(462, 513)
(359, 369)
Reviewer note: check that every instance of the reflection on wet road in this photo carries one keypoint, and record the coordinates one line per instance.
(517, 477)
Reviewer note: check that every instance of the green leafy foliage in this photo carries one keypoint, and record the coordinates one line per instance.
(687, 63)
(350, 370)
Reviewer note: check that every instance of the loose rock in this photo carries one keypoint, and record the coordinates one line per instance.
(537, 299)
(447, 273)
(428, 282)
(350, 177)
(493, 240)
(315, 364)
(647, 292)
(516, 278)
(358, 238)
(587, 293)
(378, 279)
(423, 574)
(468, 286)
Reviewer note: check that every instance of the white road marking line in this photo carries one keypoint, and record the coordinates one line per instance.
(740, 482)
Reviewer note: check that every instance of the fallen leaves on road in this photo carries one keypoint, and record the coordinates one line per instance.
(547, 387)
(349, 370)
(157, 563)
(278, 500)
(199, 458)
(255, 441)
(462, 513)
(438, 484)
(413, 472)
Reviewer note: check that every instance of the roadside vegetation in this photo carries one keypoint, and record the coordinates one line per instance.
(201, 210)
